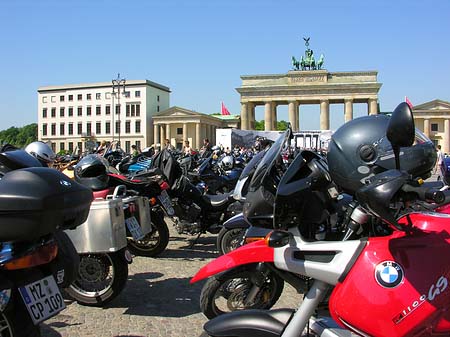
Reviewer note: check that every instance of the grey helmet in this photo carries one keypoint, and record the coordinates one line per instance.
(227, 162)
(360, 149)
(41, 152)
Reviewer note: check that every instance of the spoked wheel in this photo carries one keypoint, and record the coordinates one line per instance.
(235, 289)
(229, 239)
(154, 242)
(101, 278)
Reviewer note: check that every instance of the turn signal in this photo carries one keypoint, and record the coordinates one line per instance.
(164, 186)
(152, 201)
(42, 255)
(277, 239)
(250, 240)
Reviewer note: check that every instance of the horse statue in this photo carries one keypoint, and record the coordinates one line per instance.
(309, 61)
(295, 63)
(320, 62)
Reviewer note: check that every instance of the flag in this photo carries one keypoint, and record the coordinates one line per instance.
(225, 110)
(408, 102)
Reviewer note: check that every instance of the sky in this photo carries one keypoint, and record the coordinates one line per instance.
(200, 48)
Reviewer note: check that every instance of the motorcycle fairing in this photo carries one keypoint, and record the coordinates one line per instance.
(416, 304)
(251, 253)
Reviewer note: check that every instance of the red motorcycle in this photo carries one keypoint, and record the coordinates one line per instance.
(393, 284)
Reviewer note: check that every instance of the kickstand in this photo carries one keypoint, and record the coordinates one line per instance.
(194, 241)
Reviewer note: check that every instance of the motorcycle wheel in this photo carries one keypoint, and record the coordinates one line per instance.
(229, 239)
(154, 242)
(228, 291)
(15, 321)
(101, 277)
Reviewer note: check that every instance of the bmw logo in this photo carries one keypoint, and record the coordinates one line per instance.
(65, 183)
(389, 274)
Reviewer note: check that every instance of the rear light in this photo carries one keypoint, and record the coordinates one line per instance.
(164, 185)
(41, 255)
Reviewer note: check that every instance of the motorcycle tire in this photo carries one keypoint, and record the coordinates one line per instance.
(100, 279)
(229, 239)
(227, 291)
(154, 242)
(15, 321)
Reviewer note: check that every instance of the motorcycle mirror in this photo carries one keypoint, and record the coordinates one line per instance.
(401, 130)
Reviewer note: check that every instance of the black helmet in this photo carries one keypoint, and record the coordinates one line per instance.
(360, 149)
(91, 171)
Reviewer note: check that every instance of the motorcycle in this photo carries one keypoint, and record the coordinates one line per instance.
(375, 289)
(36, 257)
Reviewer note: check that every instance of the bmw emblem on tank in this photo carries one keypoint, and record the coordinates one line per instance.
(65, 183)
(389, 274)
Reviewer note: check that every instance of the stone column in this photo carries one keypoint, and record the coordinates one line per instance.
(324, 114)
(274, 116)
(185, 135)
(251, 116)
(373, 106)
(268, 122)
(446, 145)
(426, 127)
(198, 136)
(244, 116)
(156, 134)
(292, 114)
(348, 110)
(163, 134)
(212, 132)
(297, 117)
(168, 133)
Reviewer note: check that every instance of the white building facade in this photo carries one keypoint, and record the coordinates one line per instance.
(69, 115)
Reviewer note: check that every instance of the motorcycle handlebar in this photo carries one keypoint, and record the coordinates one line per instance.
(425, 193)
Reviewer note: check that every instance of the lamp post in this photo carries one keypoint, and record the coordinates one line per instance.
(117, 84)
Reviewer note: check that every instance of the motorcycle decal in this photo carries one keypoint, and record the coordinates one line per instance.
(389, 274)
(435, 290)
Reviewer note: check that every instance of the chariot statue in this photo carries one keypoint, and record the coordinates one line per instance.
(308, 62)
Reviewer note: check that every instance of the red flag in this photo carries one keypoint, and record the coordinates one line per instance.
(225, 110)
(408, 102)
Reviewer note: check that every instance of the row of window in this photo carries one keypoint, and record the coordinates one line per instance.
(46, 128)
(62, 146)
(131, 110)
(98, 95)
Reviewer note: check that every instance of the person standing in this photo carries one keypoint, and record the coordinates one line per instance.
(168, 146)
(439, 162)
(187, 149)
(205, 151)
(134, 151)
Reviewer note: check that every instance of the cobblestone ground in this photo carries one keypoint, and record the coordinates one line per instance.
(157, 300)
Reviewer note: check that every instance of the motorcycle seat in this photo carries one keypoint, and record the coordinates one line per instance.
(219, 200)
(262, 323)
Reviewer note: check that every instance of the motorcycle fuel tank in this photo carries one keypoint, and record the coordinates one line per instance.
(400, 284)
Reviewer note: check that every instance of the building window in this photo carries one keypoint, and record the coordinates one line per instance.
(53, 131)
(126, 94)
(70, 111)
(88, 128)
(179, 131)
(117, 109)
(89, 97)
(107, 128)
(70, 131)
(98, 128)
(108, 110)
(157, 98)
(98, 110)
(127, 127)
(53, 99)
(44, 113)
(53, 146)
(88, 111)
(79, 128)
(61, 112)
(157, 108)
(108, 95)
(434, 127)
(138, 144)
(61, 146)
(138, 110)
(127, 146)
(44, 129)
(80, 147)
(133, 110)
(138, 126)
(61, 129)
(137, 93)
(98, 96)
(53, 112)
(61, 98)
(44, 99)
(79, 97)
(70, 147)
(80, 111)
(70, 98)
(117, 126)
(127, 110)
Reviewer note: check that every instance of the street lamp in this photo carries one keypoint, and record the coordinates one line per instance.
(117, 84)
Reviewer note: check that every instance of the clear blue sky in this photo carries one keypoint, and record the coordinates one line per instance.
(200, 48)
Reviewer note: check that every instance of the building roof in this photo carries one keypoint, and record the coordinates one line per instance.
(101, 85)
(436, 104)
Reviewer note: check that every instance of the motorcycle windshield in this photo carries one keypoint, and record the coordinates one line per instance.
(252, 164)
(269, 160)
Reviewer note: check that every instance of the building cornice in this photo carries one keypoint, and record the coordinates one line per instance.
(56, 88)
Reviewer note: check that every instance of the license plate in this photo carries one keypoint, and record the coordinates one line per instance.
(42, 299)
(166, 202)
(134, 228)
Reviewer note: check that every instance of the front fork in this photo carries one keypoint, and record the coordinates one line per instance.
(257, 279)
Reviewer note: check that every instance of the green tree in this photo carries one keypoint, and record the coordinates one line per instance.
(19, 137)
(281, 125)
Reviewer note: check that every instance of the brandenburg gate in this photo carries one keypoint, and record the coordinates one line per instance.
(308, 85)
